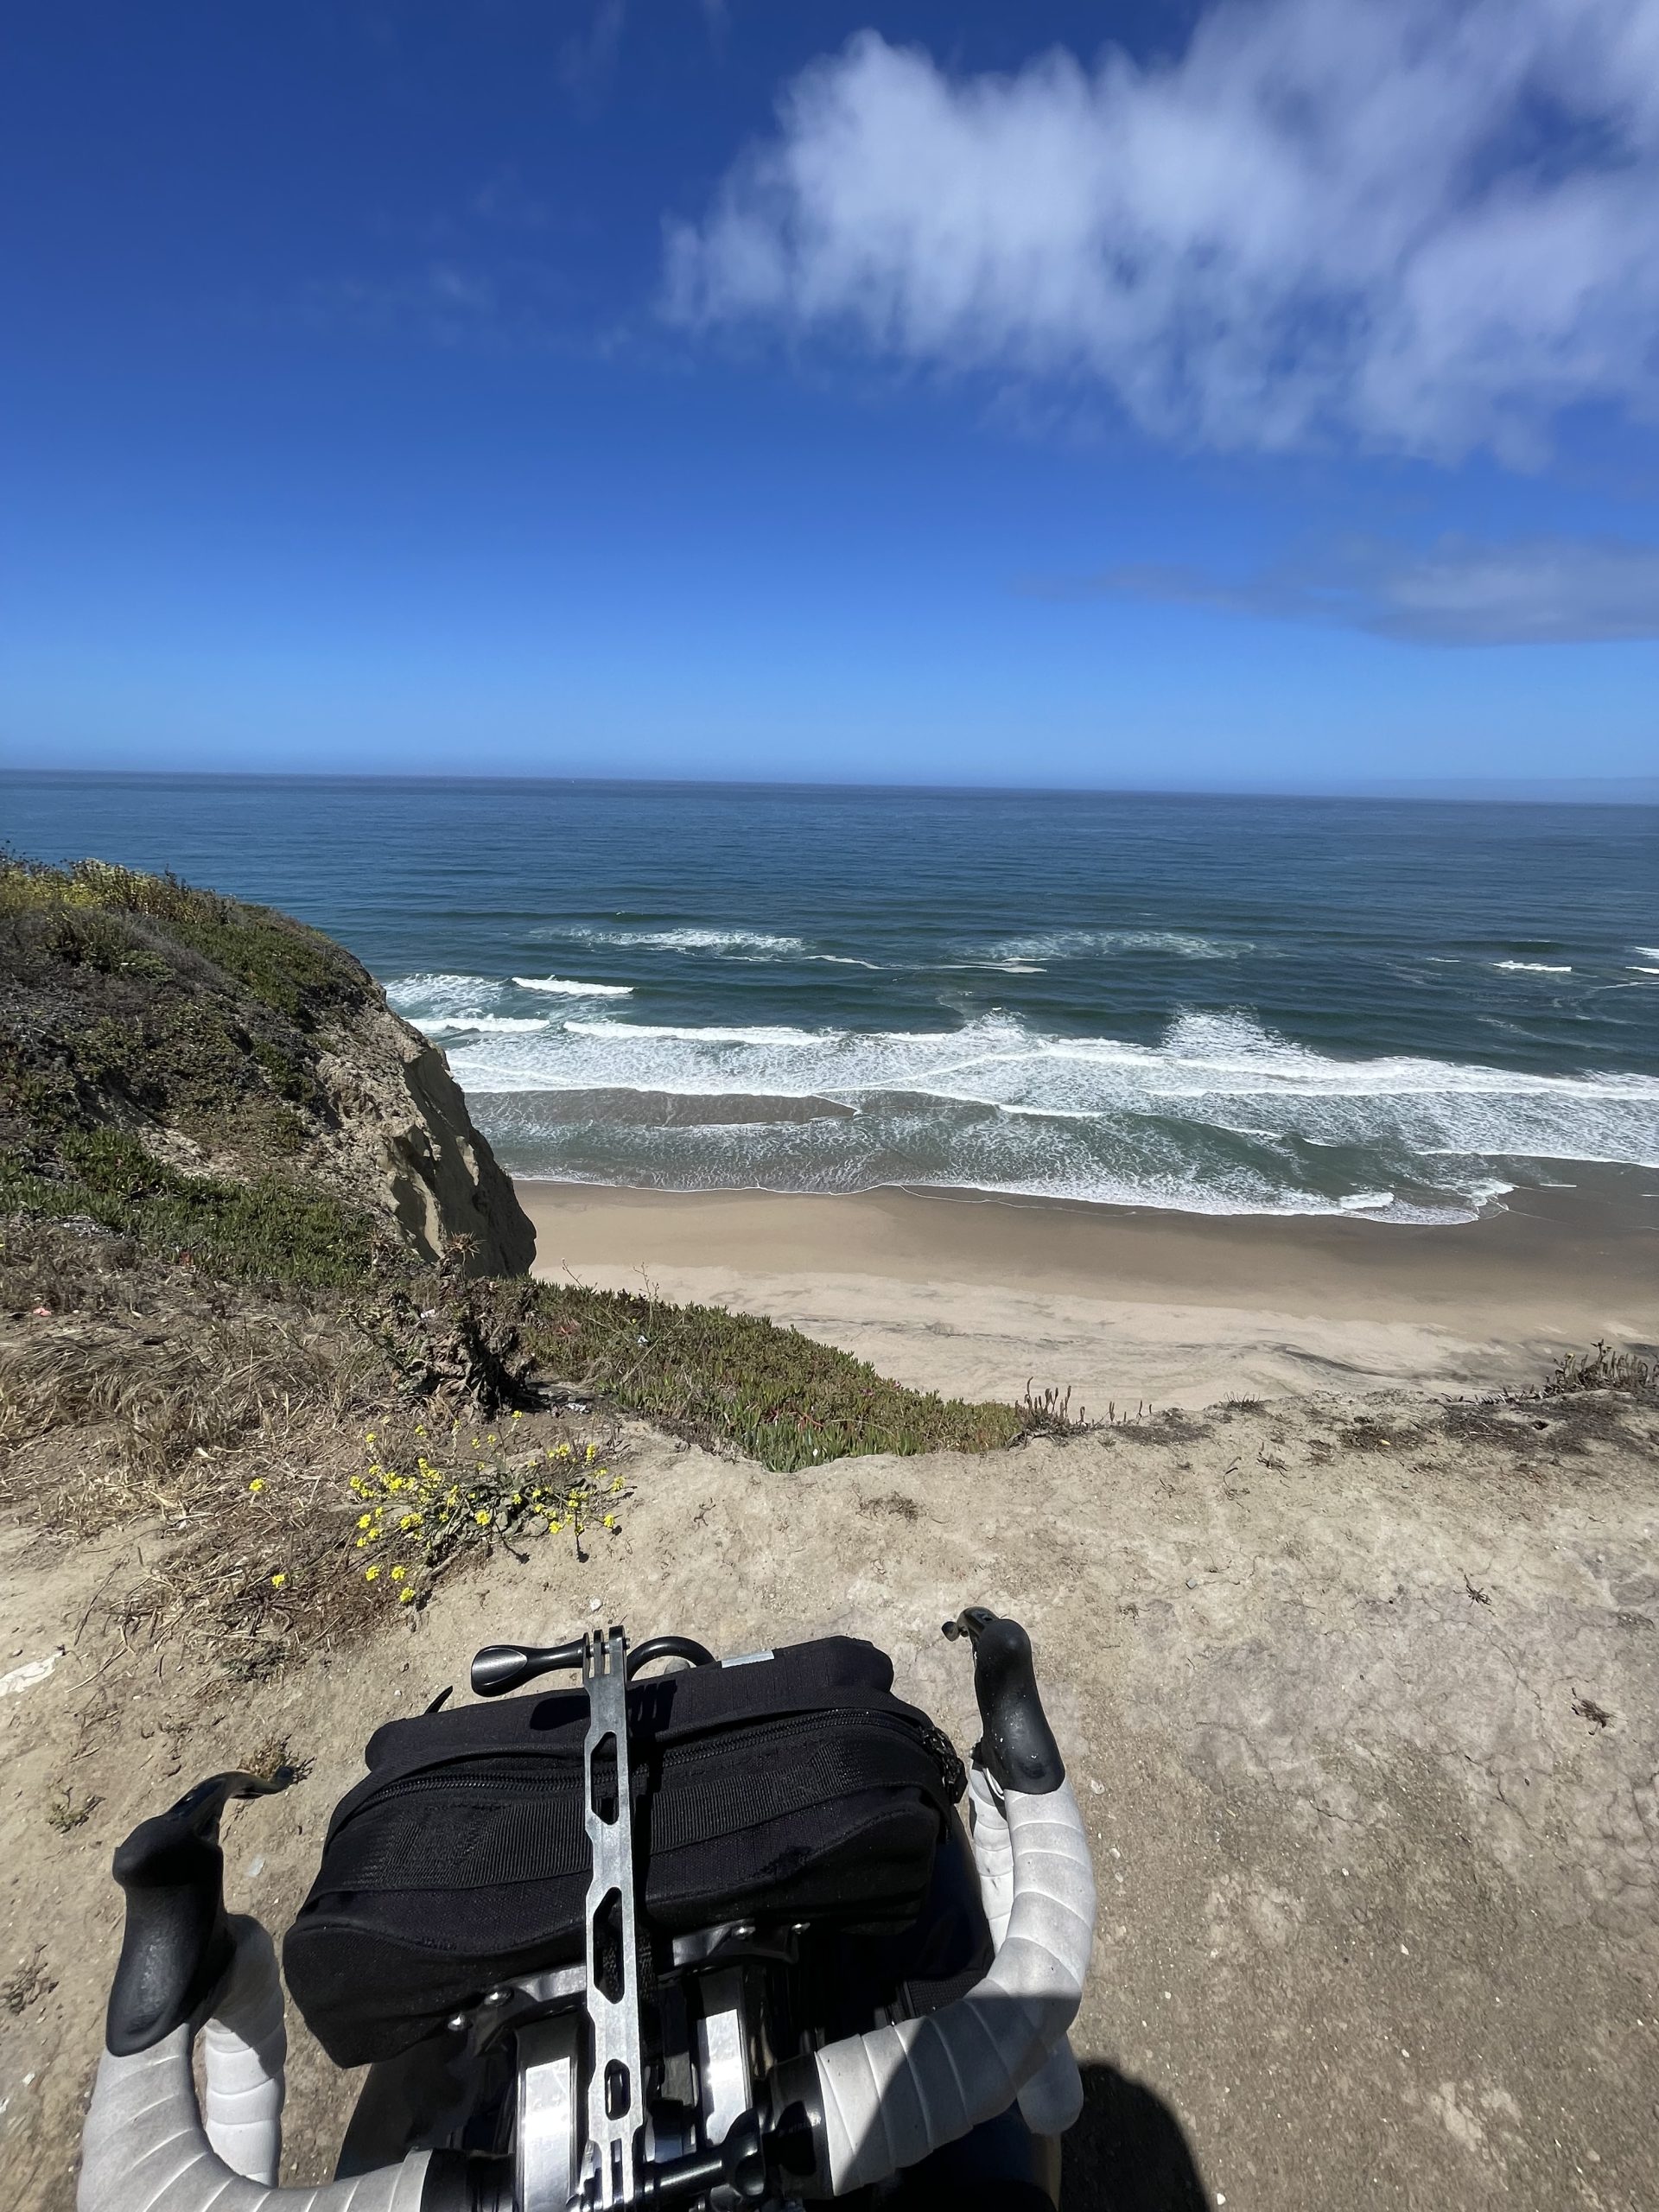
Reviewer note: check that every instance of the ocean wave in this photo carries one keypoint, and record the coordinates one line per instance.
(562, 987)
(483, 1024)
(1139, 1162)
(424, 999)
(1213, 1076)
(677, 940)
(768, 1036)
(1083, 944)
(1530, 968)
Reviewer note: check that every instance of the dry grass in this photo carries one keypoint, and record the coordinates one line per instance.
(339, 1530)
(154, 1415)
(317, 1462)
(272, 1760)
(28, 1984)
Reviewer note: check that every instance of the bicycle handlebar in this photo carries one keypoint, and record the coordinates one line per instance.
(871, 2105)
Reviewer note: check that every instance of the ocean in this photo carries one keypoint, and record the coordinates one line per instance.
(1396, 1009)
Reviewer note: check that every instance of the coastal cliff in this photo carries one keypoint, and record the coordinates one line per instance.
(214, 1077)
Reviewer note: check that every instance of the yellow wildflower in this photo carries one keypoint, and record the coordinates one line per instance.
(370, 1574)
(482, 1519)
(278, 1581)
(256, 1484)
(398, 1573)
(405, 1597)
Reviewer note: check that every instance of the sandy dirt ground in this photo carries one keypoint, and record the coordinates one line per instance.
(1361, 1698)
(974, 1296)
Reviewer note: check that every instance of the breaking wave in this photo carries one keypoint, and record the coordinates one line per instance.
(1221, 1115)
(1106, 945)
(564, 987)
(677, 940)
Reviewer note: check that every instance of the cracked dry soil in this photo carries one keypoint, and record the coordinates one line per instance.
(1359, 1697)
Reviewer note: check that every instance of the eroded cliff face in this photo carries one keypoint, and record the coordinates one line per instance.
(404, 1134)
(225, 1085)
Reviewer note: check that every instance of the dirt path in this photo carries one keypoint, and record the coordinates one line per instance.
(1378, 1915)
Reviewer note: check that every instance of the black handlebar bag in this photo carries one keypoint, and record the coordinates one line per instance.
(791, 1787)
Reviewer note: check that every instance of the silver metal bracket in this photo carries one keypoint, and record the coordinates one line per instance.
(613, 2162)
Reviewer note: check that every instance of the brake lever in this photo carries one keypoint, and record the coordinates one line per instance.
(1017, 1749)
(176, 1946)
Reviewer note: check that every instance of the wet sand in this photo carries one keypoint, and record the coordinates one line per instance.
(976, 1296)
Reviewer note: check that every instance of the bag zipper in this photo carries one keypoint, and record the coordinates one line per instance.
(930, 1739)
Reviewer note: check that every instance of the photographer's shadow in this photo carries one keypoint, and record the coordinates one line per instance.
(1128, 2151)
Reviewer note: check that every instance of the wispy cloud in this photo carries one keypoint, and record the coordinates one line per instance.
(1425, 225)
(1460, 592)
(588, 59)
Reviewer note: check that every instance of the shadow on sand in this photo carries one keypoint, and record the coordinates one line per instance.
(1128, 2151)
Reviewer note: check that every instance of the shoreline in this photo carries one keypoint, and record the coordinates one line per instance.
(974, 1295)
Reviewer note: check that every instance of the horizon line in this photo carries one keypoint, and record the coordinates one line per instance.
(1586, 790)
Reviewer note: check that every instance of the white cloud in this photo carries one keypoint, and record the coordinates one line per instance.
(1426, 225)
(1461, 592)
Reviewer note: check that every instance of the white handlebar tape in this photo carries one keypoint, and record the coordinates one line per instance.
(145, 2147)
(893, 2096)
(987, 1825)
(1052, 2099)
(244, 2051)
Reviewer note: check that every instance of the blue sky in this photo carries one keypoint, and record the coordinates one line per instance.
(1257, 393)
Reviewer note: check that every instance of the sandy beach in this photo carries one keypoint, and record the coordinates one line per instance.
(976, 1296)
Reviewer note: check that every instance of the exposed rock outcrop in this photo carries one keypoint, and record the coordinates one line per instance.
(403, 1126)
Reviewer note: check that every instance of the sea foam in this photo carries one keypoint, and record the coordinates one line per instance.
(690, 939)
(1084, 944)
(1221, 1115)
(483, 1024)
(565, 988)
